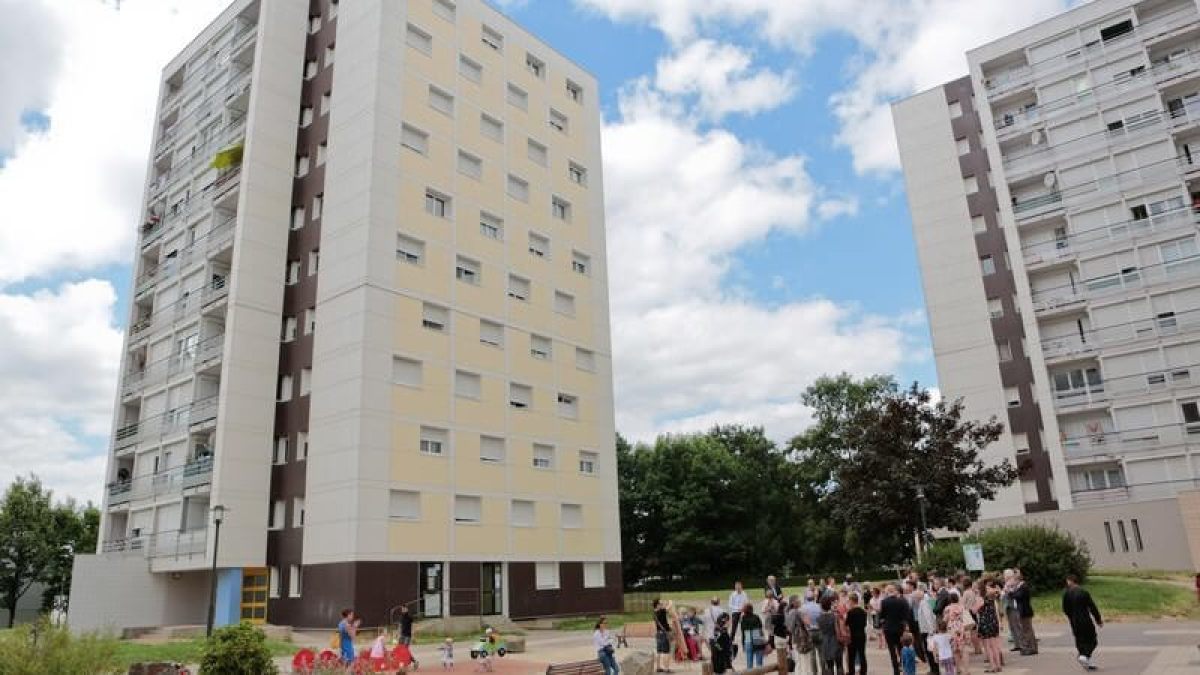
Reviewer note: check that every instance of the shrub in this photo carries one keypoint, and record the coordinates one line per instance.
(237, 650)
(1044, 554)
(40, 648)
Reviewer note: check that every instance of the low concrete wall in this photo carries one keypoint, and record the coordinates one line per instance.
(113, 593)
(1169, 529)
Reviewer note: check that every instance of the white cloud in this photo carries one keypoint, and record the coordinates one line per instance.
(59, 368)
(907, 45)
(29, 62)
(69, 198)
(682, 199)
(720, 77)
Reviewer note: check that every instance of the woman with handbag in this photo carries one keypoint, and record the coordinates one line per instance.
(961, 625)
(831, 646)
(754, 640)
(803, 649)
(603, 642)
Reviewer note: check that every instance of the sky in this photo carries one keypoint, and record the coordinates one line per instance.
(758, 234)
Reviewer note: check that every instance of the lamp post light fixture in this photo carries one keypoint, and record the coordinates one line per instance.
(924, 527)
(218, 514)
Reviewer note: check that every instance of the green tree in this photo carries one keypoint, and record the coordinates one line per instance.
(26, 539)
(75, 529)
(874, 446)
(240, 649)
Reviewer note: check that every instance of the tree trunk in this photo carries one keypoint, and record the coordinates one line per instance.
(12, 614)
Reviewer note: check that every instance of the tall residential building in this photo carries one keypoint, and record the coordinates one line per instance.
(370, 323)
(1054, 195)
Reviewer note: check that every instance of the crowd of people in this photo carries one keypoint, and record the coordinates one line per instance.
(950, 624)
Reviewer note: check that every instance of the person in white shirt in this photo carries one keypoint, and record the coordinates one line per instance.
(737, 600)
(602, 641)
(942, 648)
(709, 621)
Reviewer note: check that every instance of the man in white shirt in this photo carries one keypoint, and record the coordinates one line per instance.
(737, 600)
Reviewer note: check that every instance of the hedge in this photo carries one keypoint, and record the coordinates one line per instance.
(1045, 555)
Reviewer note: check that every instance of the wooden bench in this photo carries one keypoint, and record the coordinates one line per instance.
(644, 629)
(592, 667)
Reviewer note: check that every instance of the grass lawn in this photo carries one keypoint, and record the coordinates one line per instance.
(182, 651)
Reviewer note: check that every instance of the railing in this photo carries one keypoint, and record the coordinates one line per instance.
(225, 182)
(1024, 206)
(174, 544)
(1052, 251)
(1008, 80)
(1083, 396)
(1100, 496)
(1118, 282)
(167, 422)
(170, 482)
(1033, 159)
(1166, 70)
(163, 369)
(1185, 116)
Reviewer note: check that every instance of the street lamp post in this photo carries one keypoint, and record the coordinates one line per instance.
(218, 513)
(924, 527)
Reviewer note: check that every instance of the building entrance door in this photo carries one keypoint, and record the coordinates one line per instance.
(254, 594)
(431, 590)
(491, 596)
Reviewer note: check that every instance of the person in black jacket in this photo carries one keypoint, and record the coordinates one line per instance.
(1023, 599)
(894, 615)
(1077, 604)
(721, 646)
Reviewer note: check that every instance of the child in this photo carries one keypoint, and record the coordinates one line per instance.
(908, 655)
(379, 648)
(941, 647)
(447, 650)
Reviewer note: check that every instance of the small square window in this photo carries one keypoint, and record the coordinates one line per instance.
(537, 153)
(491, 127)
(437, 204)
(1004, 351)
(469, 165)
(407, 372)
(441, 101)
(467, 270)
(492, 38)
(435, 317)
(520, 395)
(524, 513)
(491, 333)
(434, 441)
(419, 39)
(414, 139)
(581, 263)
(535, 65)
(585, 359)
(518, 188)
(543, 456)
(517, 97)
(297, 217)
(540, 347)
(539, 245)
(468, 385)
(409, 250)
(988, 265)
(574, 92)
(470, 69)
(593, 575)
(468, 509)
(572, 516)
(564, 303)
(404, 504)
(577, 174)
(558, 121)
(519, 288)
(587, 462)
(568, 406)
(492, 449)
(560, 208)
(546, 576)
(444, 9)
(490, 226)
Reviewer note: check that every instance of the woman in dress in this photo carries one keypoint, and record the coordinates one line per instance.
(955, 626)
(988, 625)
(831, 649)
(876, 600)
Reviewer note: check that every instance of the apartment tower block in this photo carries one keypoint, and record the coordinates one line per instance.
(1054, 194)
(369, 329)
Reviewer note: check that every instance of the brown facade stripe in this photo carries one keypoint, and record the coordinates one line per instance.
(1018, 372)
(285, 546)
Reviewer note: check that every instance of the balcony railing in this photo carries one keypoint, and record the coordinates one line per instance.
(1102, 496)
(1051, 251)
(163, 369)
(1025, 208)
(176, 544)
(1116, 283)
(1082, 396)
(164, 483)
(166, 423)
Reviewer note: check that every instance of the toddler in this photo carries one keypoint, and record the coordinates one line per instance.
(447, 650)
(908, 655)
(941, 647)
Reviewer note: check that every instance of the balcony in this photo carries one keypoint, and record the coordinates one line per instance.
(1080, 398)
(1050, 252)
(186, 544)
(173, 421)
(163, 370)
(1007, 81)
(1097, 497)
(1131, 278)
(1029, 207)
(164, 484)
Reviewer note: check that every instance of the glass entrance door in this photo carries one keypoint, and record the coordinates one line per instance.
(431, 590)
(491, 596)
(254, 595)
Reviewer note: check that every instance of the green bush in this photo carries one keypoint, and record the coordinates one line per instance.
(40, 648)
(237, 650)
(1045, 555)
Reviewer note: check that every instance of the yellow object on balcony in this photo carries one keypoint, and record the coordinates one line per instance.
(231, 156)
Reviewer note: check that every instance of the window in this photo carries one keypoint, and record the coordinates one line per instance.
(491, 333)
(298, 512)
(437, 204)
(491, 449)
(576, 173)
(314, 24)
(574, 92)
(469, 69)
(407, 372)
(404, 504)
(593, 575)
(538, 154)
(535, 65)
(326, 102)
(1012, 396)
(546, 576)
(295, 585)
(467, 385)
(518, 287)
(492, 38)
(491, 127)
(467, 270)
(995, 308)
(1124, 540)
(1116, 30)
(469, 165)
(434, 317)
(301, 166)
(540, 347)
(1166, 321)
(444, 8)
(281, 448)
(306, 116)
(520, 396)
(409, 250)
(310, 69)
(490, 226)
(1177, 254)
(587, 462)
(978, 224)
(517, 97)
(1137, 534)
(314, 261)
(543, 456)
(524, 513)
(301, 446)
(963, 145)
(1108, 535)
(564, 303)
(572, 516)
(297, 217)
(1139, 212)
(318, 205)
(560, 208)
(970, 185)
(518, 188)
(956, 109)
(418, 39)
(988, 265)
(305, 381)
(1191, 412)
(414, 139)
(329, 51)
(289, 328)
(1004, 350)
(440, 100)
(273, 572)
(585, 359)
(333, 9)
(277, 515)
(285, 388)
(568, 406)
(434, 441)
(467, 509)
(539, 245)
(558, 121)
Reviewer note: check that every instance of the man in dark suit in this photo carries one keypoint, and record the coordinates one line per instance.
(1023, 599)
(1077, 604)
(894, 614)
